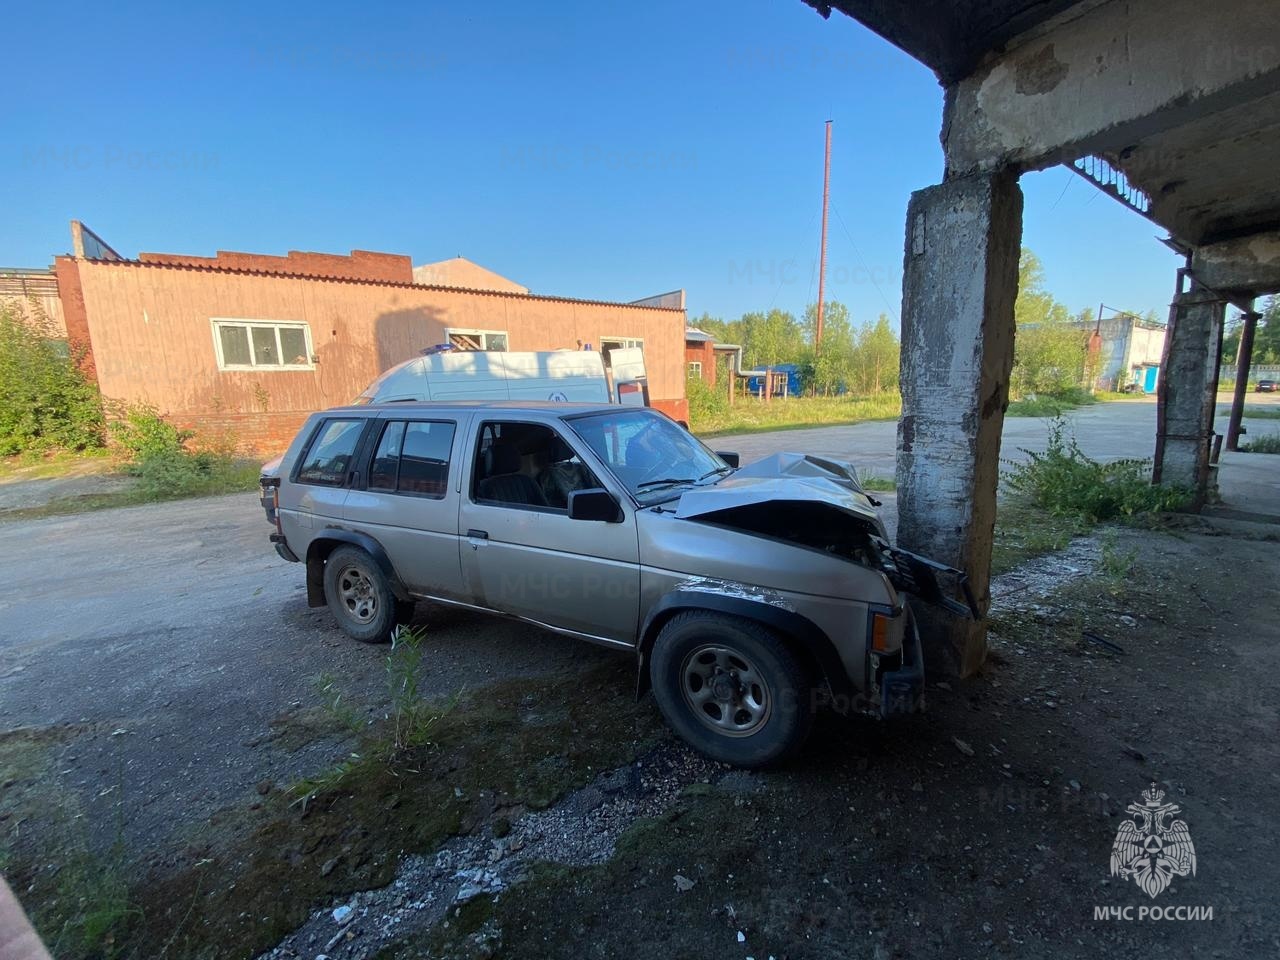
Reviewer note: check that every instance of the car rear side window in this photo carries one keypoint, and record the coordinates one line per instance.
(413, 457)
(331, 453)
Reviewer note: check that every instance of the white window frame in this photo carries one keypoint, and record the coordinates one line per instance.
(695, 368)
(216, 323)
(472, 332)
(628, 343)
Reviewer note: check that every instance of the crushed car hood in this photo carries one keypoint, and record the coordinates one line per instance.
(783, 478)
(815, 502)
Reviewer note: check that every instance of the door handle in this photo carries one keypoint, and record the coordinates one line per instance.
(477, 534)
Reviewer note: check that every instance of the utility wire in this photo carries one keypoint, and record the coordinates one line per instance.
(865, 266)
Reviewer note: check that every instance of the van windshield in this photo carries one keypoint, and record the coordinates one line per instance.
(652, 456)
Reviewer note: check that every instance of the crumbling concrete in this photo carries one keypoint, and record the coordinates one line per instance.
(1103, 76)
(960, 280)
(1247, 266)
(1187, 392)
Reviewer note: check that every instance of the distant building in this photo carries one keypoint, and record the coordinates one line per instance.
(702, 350)
(463, 273)
(1129, 351)
(35, 290)
(253, 343)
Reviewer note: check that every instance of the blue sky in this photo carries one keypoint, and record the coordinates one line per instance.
(584, 149)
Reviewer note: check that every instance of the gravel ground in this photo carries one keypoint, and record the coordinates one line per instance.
(184, 647)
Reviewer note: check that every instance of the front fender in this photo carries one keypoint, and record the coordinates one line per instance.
(750, 603)
(324, 544)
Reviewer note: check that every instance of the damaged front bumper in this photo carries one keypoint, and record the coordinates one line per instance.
(902, 688)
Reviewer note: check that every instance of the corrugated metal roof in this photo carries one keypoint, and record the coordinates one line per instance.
(376, 283)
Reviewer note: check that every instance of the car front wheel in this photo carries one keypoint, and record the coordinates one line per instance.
(359, 595)
(731, 688)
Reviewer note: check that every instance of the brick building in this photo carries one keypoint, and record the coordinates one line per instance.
(253, 343)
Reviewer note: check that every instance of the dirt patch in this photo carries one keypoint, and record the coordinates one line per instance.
(29, 487)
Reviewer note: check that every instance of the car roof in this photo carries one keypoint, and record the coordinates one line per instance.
(548, 407)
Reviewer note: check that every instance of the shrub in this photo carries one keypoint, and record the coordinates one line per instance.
(45, 400)
(157, 455)
(142, 432)
(1268, 443)
(182, 474)
(705, 402)
(1064, 481)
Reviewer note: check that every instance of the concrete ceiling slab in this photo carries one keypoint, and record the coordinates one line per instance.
(1215, 178)
(949, 36)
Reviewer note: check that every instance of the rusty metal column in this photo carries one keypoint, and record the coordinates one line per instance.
(1244, 358)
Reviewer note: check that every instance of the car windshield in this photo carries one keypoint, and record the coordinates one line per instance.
(654, 457)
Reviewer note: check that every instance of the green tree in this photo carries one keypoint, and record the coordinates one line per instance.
(1049, 351)
(878, 356)
(1266, 338)
(769, 339)
(831, 362)
(45, 401)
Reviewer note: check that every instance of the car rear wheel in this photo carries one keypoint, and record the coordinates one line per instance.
(731, 688)
(359, 595)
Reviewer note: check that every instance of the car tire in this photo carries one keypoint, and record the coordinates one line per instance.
(360, 595)
(731, 689)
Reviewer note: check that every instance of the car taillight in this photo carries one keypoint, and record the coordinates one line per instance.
(275, 508)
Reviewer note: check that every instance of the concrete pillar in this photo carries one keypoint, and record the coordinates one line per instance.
(960, 280)
(1187, 392)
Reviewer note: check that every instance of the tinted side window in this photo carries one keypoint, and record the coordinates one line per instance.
(413, 457)
(385, 469)
(330, 454)
(527, 465)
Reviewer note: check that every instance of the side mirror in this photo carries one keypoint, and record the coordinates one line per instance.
(732, 459)
(594, 504)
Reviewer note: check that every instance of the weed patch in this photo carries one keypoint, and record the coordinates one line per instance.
(876, 483)
(1065, 482)
(1025, 530)
(1050, 405)
(1268, 443)
(79, 897)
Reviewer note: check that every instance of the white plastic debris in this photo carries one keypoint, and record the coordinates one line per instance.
(343, 913)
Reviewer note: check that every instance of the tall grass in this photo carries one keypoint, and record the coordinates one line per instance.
(753, 415)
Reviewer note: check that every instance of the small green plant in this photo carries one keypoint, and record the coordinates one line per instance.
(409, 720)
(874, 482)
(334, 702)
(1116, 565)
(1064, 481)
(1267, 443)
(411, 717)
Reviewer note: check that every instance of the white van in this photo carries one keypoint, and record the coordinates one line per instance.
(572, 376)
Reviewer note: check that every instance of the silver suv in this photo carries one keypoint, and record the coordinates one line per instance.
(747, 595)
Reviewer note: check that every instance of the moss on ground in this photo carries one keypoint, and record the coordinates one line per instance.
(517, 744)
